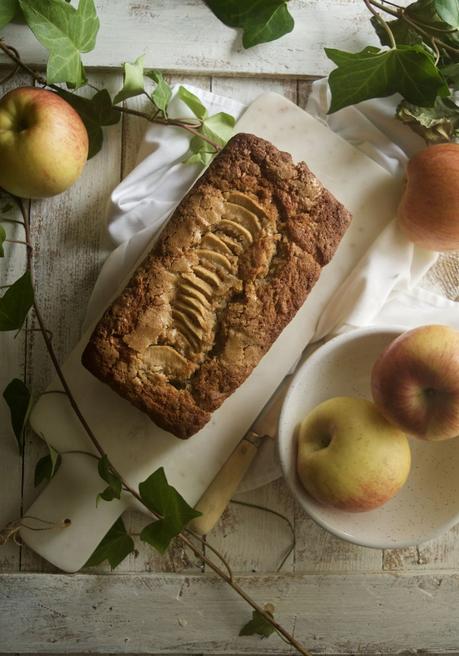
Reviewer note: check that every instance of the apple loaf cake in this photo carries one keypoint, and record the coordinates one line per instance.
(230, 270)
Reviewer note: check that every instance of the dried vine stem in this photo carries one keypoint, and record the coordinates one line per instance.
(227, 576)
(190, 125)
(382, 22)
(11, 530)
(398, 11)
(182, 537)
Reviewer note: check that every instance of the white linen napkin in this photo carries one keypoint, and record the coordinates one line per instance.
(383, 288)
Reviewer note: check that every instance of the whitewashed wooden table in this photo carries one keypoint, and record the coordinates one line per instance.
(335, 597)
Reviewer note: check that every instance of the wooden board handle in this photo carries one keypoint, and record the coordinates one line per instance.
(218, 495)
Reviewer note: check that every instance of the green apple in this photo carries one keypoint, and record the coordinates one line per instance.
(349, 456)
(415, 382)
(43, 143)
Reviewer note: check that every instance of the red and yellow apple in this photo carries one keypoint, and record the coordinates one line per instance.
(415, 382)
(349, 456)
(429, 209)
(43, 143)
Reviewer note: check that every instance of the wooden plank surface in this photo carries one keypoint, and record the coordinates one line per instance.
(69, 247)
(13, 365)
(178, 36)
(141, 613)
(344, 599)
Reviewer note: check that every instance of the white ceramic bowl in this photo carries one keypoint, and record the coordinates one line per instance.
(426, 506)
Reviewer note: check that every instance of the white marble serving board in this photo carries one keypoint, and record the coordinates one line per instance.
(135, 445)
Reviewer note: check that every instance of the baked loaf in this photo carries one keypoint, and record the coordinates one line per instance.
(230, 270)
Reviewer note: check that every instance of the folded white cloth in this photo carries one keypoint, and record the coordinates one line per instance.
(141, 203)
(388, 275)
(383, 288)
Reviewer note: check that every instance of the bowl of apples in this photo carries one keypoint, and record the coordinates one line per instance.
(366, 435)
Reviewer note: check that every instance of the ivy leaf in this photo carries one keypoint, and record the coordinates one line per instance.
(219, 128)
(201, 157)
(374, 73)
(95, 113)
(133, 83)
(426, 13)
(448, 10)
(258, 625)
(163, 499)
(65, 32)
(113, 490)
(162, 93)
(260, 20)
(47, 466)
(451, 72)
(2, 239)
(18, 398)
(16, 303)
(8, 9)
(437, 124)
(402, 31)
(272, 21)
(114, 547)
(193, 102)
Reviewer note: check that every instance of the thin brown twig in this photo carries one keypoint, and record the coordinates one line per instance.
(214, 551)
(382, 22)
(18, 241)
(179, 123)
(436, 51)
(78, 452)
(2, 220)
(396, 13)
(38, 330)
(9, 75)
(402, 15)
(185, 124)
(422, 31)
(247, 504)
(47, 340)
(11, 530)
(13, 54)
(53, 391)
(392, 4)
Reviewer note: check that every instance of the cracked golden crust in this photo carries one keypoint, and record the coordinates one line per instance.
(264, 284)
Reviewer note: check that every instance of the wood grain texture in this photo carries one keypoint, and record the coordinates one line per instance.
(334, 594)
(251, 539)
(439, 554)
(141, 613)
(13, 365)
(177, 36)
(146, 559)
(318, 550)
(69, 249)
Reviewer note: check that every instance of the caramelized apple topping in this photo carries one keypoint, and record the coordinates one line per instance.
(202, 285)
